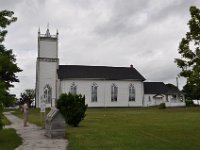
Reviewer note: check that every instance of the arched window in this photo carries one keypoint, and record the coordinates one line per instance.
(47, 94)
(73, 88)
(131, 93)
(114, 92)
(94, 92)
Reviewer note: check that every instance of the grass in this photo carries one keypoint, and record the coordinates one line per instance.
(9, 139)
(35, 116)
(134, 128)
(6, 121)
(138, 129)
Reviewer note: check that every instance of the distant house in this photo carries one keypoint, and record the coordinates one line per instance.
(103, 86)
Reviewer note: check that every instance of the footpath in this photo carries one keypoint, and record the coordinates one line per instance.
(33, 136)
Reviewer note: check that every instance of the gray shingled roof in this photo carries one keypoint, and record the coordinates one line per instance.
(98, 72)
(155, 88)
(173, 89)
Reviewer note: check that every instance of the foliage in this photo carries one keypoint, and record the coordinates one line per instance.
(28, 96)
(2, 96)
(189, 103)
(8, 66)
(72, 107)
(189, 49)
(162, 106)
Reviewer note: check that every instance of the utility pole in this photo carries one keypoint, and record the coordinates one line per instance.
(177, 84)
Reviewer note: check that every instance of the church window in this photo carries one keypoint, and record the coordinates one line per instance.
(149, 98)
(94, 92)
(131, 93)
(73, 89)
(47, 94)
(114, 92)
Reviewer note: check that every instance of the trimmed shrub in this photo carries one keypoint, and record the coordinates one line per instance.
(72, 107)
(162, 106)
(189, 103)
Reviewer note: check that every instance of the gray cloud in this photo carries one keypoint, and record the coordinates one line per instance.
(92, 32)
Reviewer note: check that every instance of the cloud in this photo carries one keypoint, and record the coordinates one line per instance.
(109, 33)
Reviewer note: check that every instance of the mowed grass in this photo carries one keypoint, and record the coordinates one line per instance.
(133, 129)
(9, 139)
(34, 117)
(137, 129)
(6, 121)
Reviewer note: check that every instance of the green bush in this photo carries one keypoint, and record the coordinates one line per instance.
(1, 116)
(189, 103)
(72, 107)
(162, 106)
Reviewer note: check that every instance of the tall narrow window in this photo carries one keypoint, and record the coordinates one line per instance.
(114, 91)
(73, 89)
(47, 94)
(94, 92)
(131, 93)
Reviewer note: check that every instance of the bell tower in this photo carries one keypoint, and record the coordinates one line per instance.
(46, 69)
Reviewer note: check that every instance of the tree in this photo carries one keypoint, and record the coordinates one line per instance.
(189, 49)
(72, 107)
(8, 66)
(28, 96)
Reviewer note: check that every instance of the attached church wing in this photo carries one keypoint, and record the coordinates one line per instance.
(155, 88)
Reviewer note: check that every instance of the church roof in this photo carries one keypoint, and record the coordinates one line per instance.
(155, 88)
(173, 89)
(98, 72)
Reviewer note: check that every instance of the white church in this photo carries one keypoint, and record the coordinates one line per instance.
(103, 86)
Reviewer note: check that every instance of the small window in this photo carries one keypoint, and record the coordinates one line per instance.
(47, 94)
(94, 92)
(114, 92)
(149, 98)
(73, 89)
(131, 93)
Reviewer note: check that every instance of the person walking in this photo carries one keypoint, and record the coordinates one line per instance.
(25, 111)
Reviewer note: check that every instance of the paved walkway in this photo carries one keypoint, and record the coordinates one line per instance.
(33, 136)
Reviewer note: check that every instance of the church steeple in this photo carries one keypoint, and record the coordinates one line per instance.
(47, 65)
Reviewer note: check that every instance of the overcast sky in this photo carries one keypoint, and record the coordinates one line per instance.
(145, 33)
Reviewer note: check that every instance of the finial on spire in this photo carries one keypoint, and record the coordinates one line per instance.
(38, 31)
(57, 33)
(47, 32)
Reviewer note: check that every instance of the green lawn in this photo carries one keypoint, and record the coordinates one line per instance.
(137, 129)
(9, 140)
(134, 129)
(34, 116)
(6, 121)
